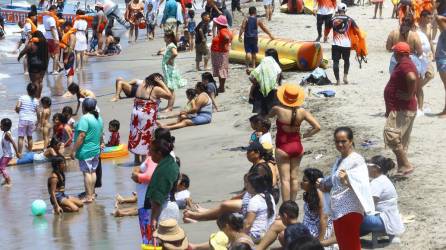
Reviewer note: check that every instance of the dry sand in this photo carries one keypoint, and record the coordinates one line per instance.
(211, 154)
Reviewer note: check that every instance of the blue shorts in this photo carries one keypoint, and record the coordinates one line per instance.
(441, 65)
(202, 118)
(26, 158)
(251, 45)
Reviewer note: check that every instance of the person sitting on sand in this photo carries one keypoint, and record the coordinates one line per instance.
(401, 107)
(56, 188)
(81, 94)
(231, 224)
(182, 196)
(289, 213)
(211, 87)
(54, 149)
(112, 46)
(128, 87)
(202, 107)
(388, 219)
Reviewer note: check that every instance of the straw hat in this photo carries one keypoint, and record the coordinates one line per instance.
(172, 235)
(291, 95)
(221, 20)
(219, 241)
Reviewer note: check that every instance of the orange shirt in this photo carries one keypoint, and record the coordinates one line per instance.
(218, 42)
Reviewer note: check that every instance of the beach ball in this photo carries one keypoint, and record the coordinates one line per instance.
(38, 207)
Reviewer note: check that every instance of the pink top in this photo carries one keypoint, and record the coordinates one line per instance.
(147, 171)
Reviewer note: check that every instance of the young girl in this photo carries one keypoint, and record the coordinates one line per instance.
(26, 107)
(54, 149)
(59, 129)
(191, 24)
(44, 124)
(7, 145)
(172, 76)
(261, 209)
(67, 111)
(211, 87)
(56, 188)
(315, 219)
(150, 21)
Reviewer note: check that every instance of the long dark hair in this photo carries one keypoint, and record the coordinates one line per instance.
(42, 48)
(261, 186)
(406, 26)
(90, 109)
(234, 221)
(150, 80)
(55, 163)
(312, 197)
(171, 36)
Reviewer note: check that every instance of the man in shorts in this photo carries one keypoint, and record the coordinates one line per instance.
(52, 37)
(235, 5)
(201, 47)
(401, 107)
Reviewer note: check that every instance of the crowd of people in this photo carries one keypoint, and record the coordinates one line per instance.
(354, 199)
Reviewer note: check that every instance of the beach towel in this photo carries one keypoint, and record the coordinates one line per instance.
(266, 74)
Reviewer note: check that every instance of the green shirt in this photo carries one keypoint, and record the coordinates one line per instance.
(163, 180)
(92, 128)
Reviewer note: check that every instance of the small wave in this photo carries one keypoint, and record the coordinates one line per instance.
(4, 76)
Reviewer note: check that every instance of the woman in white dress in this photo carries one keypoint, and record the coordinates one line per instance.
(81, 26)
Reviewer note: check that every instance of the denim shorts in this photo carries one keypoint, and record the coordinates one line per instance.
(202, 118)
(441, 65)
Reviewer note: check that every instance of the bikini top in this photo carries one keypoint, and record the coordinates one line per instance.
(146, 98)
(60, 186)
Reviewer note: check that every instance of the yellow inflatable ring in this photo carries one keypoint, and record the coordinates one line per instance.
(115, 151)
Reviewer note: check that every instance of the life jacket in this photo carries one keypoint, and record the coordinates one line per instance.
(359, 44)
(65, 42)
(33, 26)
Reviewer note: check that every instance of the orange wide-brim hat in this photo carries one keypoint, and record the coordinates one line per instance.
(291, 95)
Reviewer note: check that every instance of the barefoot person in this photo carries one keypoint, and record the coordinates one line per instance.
(401, 107)
(133, 15)
(81, 45)
(173, 77)
(220, 51)
(56, 188)
(36, 52)
(201, 106)
(52, 36)
(289, 149)
(87, 147)
(440, 53)
(145, 114)
(128, 87)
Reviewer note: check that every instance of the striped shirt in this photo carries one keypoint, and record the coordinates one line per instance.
(28, 108)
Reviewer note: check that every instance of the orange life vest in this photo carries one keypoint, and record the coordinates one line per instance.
(33, 26)
(65, 42)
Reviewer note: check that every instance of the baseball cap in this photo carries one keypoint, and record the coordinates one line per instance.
(401, 47)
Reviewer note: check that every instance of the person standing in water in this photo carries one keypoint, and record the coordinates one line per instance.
(50, 22)
(8, 145)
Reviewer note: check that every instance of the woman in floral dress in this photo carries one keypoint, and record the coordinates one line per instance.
(171, 74)
(144, 114)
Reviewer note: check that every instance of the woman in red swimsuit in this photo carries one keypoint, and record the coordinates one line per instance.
(289, 149)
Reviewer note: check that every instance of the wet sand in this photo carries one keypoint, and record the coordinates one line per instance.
(211, 154)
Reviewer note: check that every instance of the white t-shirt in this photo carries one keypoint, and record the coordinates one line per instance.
(28, 108)
(48, 23)
(257, 204)
(180, 198)
(266, 138)
(387, 204)
(26, 30)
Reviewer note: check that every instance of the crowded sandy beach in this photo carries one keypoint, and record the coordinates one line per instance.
(223, 125)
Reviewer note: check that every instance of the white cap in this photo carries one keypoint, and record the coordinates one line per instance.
(342, 6)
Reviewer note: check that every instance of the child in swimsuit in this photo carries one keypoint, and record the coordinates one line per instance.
(44, 124)
(113, 128)
(81, 94)
(7, 144)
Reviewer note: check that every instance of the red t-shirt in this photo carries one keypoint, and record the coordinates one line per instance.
(218, 42)
(114, 139)
(397, 83)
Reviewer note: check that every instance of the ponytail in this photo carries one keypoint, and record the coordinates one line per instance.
(95, 113)
(269, 203)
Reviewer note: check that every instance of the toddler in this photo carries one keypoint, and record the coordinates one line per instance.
(113, 128)
(7, 154)
(151, 21)
(182, 196)
(191, 25)
(27, 108)
(45, 114)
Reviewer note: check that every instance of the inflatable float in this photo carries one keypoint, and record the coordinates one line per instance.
(115, 151)
(292, 54)
(298, 7)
